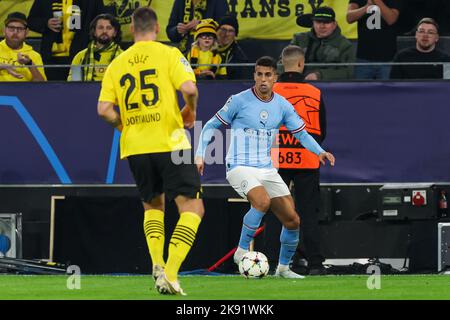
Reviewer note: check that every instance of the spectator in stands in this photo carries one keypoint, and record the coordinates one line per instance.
(106, 35)
(17, 59)
(325, 44)
(427, 36)
(186, 15)
(371, 36)
(204, 51)
(229, 49)
(64, 27)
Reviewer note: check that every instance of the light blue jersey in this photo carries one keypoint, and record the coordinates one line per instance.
(254, 126)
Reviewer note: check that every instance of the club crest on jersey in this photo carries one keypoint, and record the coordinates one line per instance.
(263, 116)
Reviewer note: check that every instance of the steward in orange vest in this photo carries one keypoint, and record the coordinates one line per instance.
(307, 101)
(298, 166)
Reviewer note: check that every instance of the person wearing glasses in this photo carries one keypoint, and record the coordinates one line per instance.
(186, 15)
(18, 60)
(427, 37)
(230, 50)
(203, 52)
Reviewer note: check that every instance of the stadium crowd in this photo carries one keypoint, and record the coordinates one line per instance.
(91, 43)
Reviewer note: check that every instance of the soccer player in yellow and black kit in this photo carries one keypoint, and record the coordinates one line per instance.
(143, 81)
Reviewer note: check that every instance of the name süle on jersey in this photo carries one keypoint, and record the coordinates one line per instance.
(137, 59)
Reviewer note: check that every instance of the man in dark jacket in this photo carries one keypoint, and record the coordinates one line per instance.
(325, 44)
(64, 26)
(185, 16)
(427, 37)
(229, 49)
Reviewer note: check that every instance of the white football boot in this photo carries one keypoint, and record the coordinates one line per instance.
(157, 270)
(284, 272)
(238, 254)
(164, 286)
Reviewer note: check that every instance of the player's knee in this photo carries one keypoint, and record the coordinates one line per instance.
(190, 205)
(297, 218)
(261, 204)
(293, 222)
(201, 209)
(198, 207)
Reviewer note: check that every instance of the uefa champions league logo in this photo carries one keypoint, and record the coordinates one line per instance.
(225, 107)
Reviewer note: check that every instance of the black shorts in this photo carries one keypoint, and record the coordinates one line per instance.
(155, 173)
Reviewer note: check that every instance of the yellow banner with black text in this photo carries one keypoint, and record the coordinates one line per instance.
(258, 19)
(276, 19)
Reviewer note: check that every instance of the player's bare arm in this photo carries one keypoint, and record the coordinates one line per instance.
(200, 164)
(106, 111)
(190, 95)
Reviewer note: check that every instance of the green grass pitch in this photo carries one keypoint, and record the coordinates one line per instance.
(392, 287)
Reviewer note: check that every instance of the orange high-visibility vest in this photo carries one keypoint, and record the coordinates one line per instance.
(288, 153)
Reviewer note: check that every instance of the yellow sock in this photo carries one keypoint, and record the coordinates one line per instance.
(181, 242)
(154, 234)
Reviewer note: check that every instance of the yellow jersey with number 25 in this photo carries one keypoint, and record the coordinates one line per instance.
(143, 81)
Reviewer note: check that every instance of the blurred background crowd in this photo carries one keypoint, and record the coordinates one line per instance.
(344, 40)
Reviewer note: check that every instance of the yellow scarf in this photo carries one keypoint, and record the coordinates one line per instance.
(199, 9)
(61, 48)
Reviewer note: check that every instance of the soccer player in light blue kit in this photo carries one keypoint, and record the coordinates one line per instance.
(255, 115)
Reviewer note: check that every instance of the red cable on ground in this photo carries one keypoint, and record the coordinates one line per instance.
(229, 254)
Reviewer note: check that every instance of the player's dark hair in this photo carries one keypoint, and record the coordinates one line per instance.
(266, 61)
(115, 24)
(144, 19)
